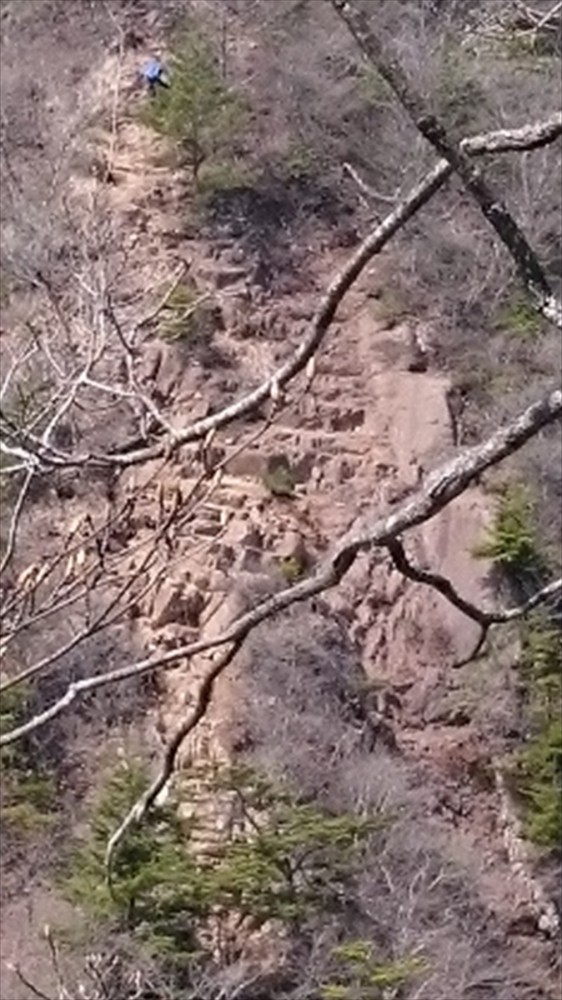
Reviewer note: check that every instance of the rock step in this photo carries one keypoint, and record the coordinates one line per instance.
(331, 382)
(335, 368)
(202, 530)
(338, 442)
(230, 494)
(325, 418)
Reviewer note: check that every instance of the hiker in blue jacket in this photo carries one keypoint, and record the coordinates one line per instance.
(154, 75)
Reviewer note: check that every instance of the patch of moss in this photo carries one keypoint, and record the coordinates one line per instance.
(459, 90)
(24, 818)
(372, 86)
(292, 568)
(224, 177)
(519, 317)
(532, 48)
(180, 316)
(387, 306)
(280, 480)
(5, 289)
(300, 161)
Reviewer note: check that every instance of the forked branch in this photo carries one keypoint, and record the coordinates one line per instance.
(482, 616)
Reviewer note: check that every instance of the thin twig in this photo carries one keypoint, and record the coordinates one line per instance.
(27, 982)
(485, 619)
(12, 534)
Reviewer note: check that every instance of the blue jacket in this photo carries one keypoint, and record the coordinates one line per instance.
(153, 71)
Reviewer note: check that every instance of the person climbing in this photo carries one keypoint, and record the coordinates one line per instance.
(154, 76)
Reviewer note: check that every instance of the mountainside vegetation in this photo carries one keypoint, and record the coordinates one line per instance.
(280, 483)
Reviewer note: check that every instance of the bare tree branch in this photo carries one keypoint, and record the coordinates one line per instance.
(537, 19)
(523, 139)
(527, 137)
(27, 982)
(14, 521)
(482, 616)
(323, 318)
(202, 702)
(446, 588)
(181, 510)
(491, 205)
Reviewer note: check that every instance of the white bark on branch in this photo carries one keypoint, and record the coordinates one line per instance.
(491, 205)
(523, 139)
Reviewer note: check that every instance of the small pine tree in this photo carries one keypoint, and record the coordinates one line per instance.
(511, 539)
(155, 889)
(360, 973)
(197, 110)
(538, 771)
(294, 861)
(540, 782)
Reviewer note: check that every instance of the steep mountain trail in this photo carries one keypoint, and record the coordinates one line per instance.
(365, 433)
(372, 424)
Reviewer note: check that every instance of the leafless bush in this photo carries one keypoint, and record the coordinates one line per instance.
(303, 687)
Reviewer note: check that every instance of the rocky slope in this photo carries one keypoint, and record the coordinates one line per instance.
(374, 420)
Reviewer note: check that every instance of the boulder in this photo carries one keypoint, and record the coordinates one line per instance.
(249, 561)
(151, 361)
(244, 534)
(167, 604)
(419, 354)
(176, 603)
(292, 546)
